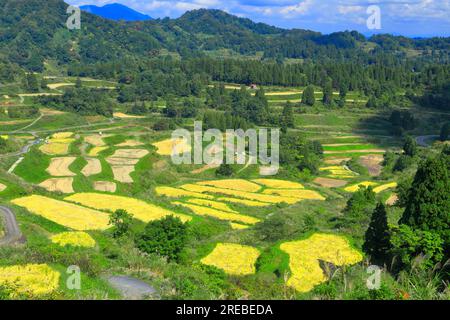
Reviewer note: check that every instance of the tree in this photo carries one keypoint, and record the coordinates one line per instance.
(78, 83)
(32, 83)
(225, 170)
(377, 242)
(410, 147)
(44, 84)
(166, 237)
(308, 96)
(408, 243)
(121, 220)
(287, 116)
(445, 132)
(428, 205)
(327, 94)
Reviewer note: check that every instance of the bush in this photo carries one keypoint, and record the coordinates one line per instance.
(166, 237)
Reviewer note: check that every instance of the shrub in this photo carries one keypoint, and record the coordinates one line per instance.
(166, 237)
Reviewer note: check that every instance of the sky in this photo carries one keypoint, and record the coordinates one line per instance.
(413, 18)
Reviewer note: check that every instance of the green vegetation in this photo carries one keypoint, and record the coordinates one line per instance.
(341, 100)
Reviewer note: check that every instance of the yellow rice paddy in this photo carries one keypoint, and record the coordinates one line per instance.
(304, 256)
(385, 187)
(233, 184)
(297, 194)
(279, 184)
(139, 209)
(248, 203)
(64, 213)
(341, 172)
(239, 194)
(31, 280)
(212, 204)
(172, 146)
(356, 187)
(75, 239)
(179, 193)
(218, 214)
(96, 150)
(234, 259)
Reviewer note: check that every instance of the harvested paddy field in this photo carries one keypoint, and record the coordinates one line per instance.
(95, 140)
(130, 143)
(64, 213)
(122, 115)
(63, 185)
(92, 167)
(373, 163)
(123, 163)
(105, 186)
(330, 183)
(59, 167)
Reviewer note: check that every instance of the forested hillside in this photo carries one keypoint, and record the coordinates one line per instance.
(32, 31)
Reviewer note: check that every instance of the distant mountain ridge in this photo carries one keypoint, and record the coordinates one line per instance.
(116, 11)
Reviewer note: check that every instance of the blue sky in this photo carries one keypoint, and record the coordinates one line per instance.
(405, 17)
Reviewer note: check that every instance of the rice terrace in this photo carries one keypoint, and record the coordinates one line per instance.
(87, 175)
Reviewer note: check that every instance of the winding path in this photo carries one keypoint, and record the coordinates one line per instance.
(132, 288)
(13, 234)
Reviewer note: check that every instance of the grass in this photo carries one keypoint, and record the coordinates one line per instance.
(33, 167)
(350, 147)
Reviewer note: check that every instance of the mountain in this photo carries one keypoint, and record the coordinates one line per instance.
(116, 11)
(34, 31)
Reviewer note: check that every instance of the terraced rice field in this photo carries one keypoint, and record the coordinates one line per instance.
(304, 256)
(123, 162)
(105, 186)
(31, 279)
(140, 210)
(339, 172)
(58, 144)
(63, 185)
(95, 151)
(172, 146)
(59, 167)
(233, 259)
(218, 214)
(279, 184)
(130, 143)
(74, 239)
(356, 187)
(234, 184)
(231, 190)
(377, 188)
(64, 213)
(92, 167)
(385, 187)
(95, 140)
